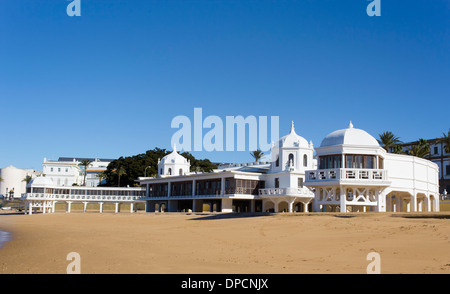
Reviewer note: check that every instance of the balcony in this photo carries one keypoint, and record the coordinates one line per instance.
(67, 197)
(295, 192)
(347, 175)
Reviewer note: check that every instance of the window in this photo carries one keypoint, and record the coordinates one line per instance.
(291, 159)
(51, 169)
(277, 183)
(360, 161)
(181, 172)
(67, 170)
(330, 162)
(59, 169)
(305, 160)
(300, 182)
(447, 170)
(170, 172)
(436, 151)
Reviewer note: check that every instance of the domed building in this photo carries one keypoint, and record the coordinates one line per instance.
(355, 174)
(173, 164)
(292, 155)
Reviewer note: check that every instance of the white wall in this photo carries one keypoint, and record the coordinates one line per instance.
(408, 173)
(13, 179)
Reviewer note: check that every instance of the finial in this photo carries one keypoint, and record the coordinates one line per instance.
(350, 125)
(292, 127)
(174, 147)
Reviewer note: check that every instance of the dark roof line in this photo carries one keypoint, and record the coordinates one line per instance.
(84, 158)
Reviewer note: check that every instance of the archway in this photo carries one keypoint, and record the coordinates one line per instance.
(283, 206)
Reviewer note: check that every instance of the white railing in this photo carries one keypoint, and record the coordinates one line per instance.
(67, 197)
(305, 192)
(346, 174)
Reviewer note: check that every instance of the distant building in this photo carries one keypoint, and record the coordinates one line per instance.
(14, 181)
(440, 157)
(66, 171)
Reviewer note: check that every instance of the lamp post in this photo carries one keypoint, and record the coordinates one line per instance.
(145, 172)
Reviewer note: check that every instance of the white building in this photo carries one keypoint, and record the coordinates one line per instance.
(13, 182)
(66, 171)
(356, 174)
(351, 173)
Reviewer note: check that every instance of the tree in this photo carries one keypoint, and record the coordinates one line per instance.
(388, 140)
(257, 154)
(398, 149)
(420, 149)
(85, 163)
(135, 166)
(120, 172)
(27, 179)
(101, 176)
(445, 140)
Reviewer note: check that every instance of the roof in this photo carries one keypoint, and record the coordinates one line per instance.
(293, 140)
(84, 158)
(349, 136)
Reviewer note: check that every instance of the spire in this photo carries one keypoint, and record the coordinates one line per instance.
(350, 125)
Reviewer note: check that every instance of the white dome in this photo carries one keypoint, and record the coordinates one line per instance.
(293, 140)
(41, 181)
(174, 158)
(350, 136)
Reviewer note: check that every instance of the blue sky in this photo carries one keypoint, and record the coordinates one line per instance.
(108, 83)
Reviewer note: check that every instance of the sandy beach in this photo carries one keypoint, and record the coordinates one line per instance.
(219, 244)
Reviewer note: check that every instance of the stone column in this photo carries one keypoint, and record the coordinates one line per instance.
(117, 207)
(227, 205)
(305, 207)
(343, 204)
(85, 206)
(69, 205)
(101, 207)
(131, 207)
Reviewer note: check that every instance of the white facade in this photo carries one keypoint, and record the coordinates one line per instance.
(355, 174)
(66, 172)
(351, 173)
(14, 184)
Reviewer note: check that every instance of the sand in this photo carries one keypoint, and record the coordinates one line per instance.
(171, 243)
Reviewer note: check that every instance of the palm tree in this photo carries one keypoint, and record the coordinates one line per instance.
(120, 172)
(257, 154)
(420, 149)
(101, 176)
(398, 149)
(445, 140)
(85, 163)
(388, 140)
(27, 179)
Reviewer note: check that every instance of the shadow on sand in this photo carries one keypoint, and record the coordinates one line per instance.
(424, 215)
(231, 215)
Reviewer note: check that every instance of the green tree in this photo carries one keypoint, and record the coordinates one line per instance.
(27, 179)
(120, 172)
(101, 176)
(420, 149)
(257, 155)
(398, 149)
(135, 166)
(388, 140)
(445, 140)
(85, 163)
